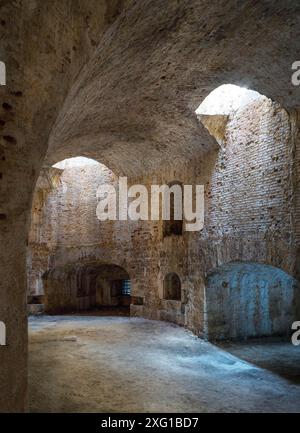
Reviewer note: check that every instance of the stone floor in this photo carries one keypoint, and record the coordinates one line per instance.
(111, 364)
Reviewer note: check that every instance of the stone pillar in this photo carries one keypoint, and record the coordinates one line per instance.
(16, 182)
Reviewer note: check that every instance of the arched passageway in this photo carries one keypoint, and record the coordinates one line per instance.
(77, 288)
(248, 299)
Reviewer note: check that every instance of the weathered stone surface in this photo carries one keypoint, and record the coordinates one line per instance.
(246, 299)
(119, 82)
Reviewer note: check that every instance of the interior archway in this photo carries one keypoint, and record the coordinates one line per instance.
(248, 299)
(101, 288)
(224, 104)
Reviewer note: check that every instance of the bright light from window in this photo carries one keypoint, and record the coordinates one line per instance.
(226, 99)
(78, 161)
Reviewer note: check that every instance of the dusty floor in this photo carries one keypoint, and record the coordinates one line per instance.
(110, 364)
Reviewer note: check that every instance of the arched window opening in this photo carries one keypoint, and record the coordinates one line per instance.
(174, 226)
(226, 99)
(221, 105)
(63, 214)
(172, 287)
(77, 161)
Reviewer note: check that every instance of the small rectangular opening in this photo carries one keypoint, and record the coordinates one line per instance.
(126, 288)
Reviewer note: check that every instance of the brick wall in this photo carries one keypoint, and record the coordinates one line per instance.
(249, 187)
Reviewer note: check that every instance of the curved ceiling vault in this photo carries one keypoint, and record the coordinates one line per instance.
(132, 105)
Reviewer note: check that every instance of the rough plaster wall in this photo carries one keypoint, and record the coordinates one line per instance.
(250, 300)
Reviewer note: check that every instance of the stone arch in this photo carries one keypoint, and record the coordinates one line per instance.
(75, 161)
(172, 287)
(64, 215)
(174, 226)
(246, 196)
(221, 105)
(249, 299)
(83, 286)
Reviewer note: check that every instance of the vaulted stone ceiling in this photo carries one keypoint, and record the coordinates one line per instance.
(119, 80)
(44, 45)
(132, 105)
